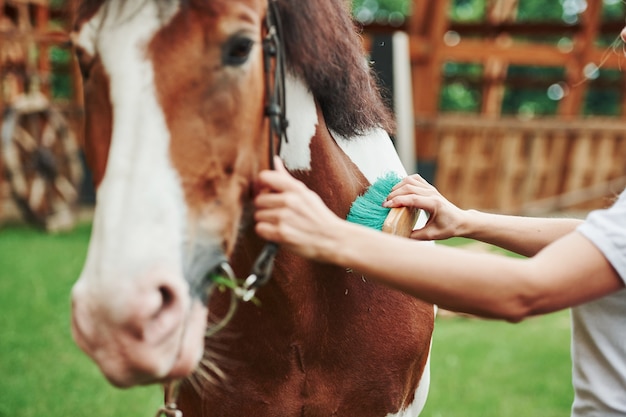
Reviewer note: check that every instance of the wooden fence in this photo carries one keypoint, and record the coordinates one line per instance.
(529, 167)
(32, 32)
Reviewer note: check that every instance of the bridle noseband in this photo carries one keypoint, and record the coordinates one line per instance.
(275, 111)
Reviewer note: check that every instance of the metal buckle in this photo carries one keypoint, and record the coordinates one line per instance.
(170, 409)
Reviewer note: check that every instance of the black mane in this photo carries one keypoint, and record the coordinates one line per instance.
(323, 47)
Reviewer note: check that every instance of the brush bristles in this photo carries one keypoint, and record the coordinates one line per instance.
(367, 209)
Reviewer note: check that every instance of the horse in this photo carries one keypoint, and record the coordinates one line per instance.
(186, 101)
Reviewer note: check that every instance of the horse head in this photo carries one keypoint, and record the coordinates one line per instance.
(175, 135)
(176, 98)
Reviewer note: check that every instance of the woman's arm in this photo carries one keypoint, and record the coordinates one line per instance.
(523, 235)
(566, 273)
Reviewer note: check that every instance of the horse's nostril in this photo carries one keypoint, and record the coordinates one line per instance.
(164, 314)
(167, 296)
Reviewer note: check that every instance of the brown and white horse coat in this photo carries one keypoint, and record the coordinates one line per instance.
(176, 134)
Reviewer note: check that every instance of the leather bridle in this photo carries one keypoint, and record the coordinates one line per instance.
(275, 111)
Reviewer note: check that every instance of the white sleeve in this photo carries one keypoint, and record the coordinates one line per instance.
(606, 229)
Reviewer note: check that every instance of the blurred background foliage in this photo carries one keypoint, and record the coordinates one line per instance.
(389, 11)
(530, 90)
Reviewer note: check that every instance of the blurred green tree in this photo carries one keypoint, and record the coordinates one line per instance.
(461, 90)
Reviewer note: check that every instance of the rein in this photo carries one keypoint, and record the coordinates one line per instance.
(275, 111)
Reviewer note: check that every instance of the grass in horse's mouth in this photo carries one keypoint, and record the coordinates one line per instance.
(224, 284)
(236, 288)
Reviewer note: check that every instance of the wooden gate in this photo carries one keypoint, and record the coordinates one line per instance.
(41, 109)
(515, 166)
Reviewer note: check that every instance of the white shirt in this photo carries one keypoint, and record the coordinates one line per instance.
(599, 327)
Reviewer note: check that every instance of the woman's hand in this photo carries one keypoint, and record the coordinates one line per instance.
(446, 220)
(289, 213)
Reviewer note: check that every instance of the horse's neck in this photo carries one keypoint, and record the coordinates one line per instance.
(372, 153)
(336, 168)
(312, 156)
(332, 175)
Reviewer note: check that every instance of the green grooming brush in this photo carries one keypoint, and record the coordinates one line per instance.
(367, 209)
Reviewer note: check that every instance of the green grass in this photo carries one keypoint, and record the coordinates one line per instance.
(42, 372)
(486, 368)
(479, 368)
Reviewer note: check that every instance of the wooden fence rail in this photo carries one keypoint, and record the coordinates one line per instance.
(529, 167)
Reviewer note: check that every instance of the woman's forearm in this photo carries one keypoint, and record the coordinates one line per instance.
(484, 284)
(523, 235)
(489, 285)
(455, 279)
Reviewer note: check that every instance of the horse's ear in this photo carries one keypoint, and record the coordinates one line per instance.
(325, 50)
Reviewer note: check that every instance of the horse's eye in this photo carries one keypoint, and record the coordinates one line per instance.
(237, 51)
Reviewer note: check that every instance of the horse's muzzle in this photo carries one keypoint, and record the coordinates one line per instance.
(151, 331)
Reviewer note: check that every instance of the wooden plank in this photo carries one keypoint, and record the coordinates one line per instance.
(41, 17)
(454, 121)
(477, 176)
(556, 152)
(44, 37)
(612, 155)
(511, 165)
(426, 74)
(471, 167)
(27, 2)
(473, 50)
(619, 156)
(449, 163)
(532, 29)
(546, 151)
(554, 161)
(581, 56)
(476, 50)
(494, 69)
(623, 98)
(506, 165)
(501, 11)
(577, 198)
(418, 20)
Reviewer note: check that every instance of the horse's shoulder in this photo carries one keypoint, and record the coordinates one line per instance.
(373, 153)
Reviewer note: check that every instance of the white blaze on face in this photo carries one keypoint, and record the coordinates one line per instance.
(140, 207)
(132, 312)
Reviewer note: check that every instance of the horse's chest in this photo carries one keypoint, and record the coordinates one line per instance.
(311, 391)
(356, 353)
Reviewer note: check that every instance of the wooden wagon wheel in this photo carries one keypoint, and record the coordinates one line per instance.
(42, 161)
